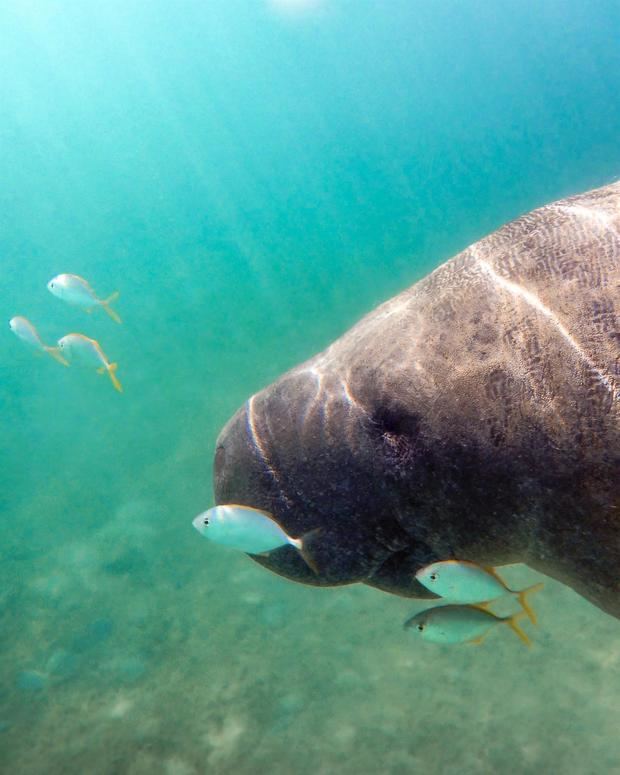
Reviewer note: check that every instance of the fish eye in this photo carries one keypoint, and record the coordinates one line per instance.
(434, 576)
(205, 521)
(420, 627)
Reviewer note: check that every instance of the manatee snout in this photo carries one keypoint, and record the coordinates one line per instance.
(236, 467)
(245, 474)
(303, 450)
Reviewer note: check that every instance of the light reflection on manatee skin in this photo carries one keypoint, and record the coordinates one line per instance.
(257, 441)
(312, 405)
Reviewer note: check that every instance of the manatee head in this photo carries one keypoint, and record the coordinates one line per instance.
(313, 456)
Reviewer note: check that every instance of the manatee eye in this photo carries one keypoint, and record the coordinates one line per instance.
(420, 627)
(434, 576)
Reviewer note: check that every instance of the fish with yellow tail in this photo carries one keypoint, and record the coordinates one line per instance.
(77, 291)
(451, 624)
(88, 352)
(246, 529)
(25, 330)
(459, 581)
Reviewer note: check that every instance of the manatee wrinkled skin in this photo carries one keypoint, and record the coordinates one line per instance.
(474, 416)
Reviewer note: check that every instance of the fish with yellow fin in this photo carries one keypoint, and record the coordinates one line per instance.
(451, 624)
(25, 330)
(246, 529)
(77, 291)
(459, 581)
(89, 353)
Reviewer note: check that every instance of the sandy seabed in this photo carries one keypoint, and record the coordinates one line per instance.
(134, 653)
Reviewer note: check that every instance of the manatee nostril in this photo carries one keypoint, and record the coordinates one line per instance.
(396, 432)
(396, 421)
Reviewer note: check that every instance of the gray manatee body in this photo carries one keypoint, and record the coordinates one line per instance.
(474, 416)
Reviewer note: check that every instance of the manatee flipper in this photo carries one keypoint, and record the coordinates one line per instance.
(333, 555)
(328, 558)
(397, 575)
(288, 562)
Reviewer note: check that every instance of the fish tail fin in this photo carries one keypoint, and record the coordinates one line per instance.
(55, 353)
(522, 597)
(511, 621)
(105, 303)
(301, 545)
(111, 371)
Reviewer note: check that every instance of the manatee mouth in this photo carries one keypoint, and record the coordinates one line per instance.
(243, 474)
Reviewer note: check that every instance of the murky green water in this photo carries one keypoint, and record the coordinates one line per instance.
(252, 179)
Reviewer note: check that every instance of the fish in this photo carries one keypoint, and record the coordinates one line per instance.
(76, 290)
(459, 581)
(89, 352)
(246, 529)
(451, 624)
(26, 331)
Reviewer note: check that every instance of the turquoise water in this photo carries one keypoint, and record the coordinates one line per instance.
(253, 178)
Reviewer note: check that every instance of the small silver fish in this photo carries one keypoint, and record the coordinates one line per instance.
(25, 330)
(460, 581)
(76, 290)
(450, 624)
(89, 352)
(247, 530)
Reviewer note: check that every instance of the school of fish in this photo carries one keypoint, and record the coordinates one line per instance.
(75, 347)
(467, 588)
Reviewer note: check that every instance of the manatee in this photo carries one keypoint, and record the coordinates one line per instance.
(474, 416)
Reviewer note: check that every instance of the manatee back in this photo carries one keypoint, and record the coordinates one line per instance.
(524, 320)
